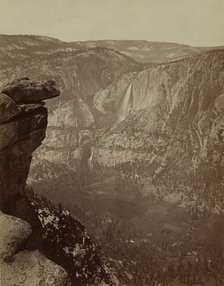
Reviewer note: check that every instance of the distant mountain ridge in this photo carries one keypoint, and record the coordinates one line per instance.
(139, 50)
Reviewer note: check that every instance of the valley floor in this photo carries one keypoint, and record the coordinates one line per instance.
(145, 238)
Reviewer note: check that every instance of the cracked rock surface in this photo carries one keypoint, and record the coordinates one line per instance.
(22, 129)
(25, 267)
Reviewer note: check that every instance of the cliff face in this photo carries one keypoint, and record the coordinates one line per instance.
(168, 118)
(61, 237)
(23, 124)
(78, 73)
(79, 77)
(23, 121)
(80, 70)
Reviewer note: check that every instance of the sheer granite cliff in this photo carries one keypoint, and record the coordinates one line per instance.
(166, 119)
(23, 121)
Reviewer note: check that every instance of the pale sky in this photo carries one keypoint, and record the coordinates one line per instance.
(193, 22)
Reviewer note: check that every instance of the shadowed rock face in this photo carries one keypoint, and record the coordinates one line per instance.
(23, 267)
(26, 91)
(22, 129)
(14, 232)
(8, 108)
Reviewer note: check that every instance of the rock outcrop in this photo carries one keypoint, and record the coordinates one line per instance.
(68, 244)
(22, 129)
(26, 91)
(29, 223)
(8, 108)
(14, 232)
(22, 267)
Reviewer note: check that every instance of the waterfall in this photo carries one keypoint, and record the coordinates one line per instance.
(90, 160)
(125, 105)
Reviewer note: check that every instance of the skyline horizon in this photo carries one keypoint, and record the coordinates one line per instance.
(108, 39)
(194, 23)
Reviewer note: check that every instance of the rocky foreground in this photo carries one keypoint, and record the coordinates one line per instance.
(20, 266)
(23, 121)
(29, 226)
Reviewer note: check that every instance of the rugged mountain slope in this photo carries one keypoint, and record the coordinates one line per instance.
(168, 118)
(139, 50)
(71, 69)
(145, 51)
(78, 73)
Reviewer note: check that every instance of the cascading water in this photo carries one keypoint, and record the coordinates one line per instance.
(90, 160)
(125, 105)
